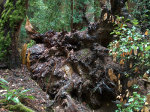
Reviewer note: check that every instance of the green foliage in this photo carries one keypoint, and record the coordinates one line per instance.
(131, 46)
(45, 15)
(141, 11)
(3, 84)
(56, 15)
(31, 43)
(135, 103)
(18, 108)
(9, 19)
(13, 95)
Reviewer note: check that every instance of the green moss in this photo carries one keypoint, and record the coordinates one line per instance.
(9, 20)
(19, 108)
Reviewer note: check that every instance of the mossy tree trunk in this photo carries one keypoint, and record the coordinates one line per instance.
(11, 17)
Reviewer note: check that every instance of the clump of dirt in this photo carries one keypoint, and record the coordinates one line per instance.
(19, 78)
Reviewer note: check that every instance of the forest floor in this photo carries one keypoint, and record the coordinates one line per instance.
(18, 78)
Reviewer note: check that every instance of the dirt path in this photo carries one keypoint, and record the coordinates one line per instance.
(18, 79)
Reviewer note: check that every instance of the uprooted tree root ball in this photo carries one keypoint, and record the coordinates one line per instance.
(75, 69)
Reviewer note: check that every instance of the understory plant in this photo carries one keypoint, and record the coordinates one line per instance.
(131, 49)
(135, 102)
(140, 9)
(131, 46)
(31, 43)
(15, 95)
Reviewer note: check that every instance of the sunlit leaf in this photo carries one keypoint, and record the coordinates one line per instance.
(24, 91)
(122, 62)
(136, 69)
(16, 100)
(112, 75)
(146, 33)
(130, 38)
(113, 20)
(119, 76)
(117, 45)
(3, 81)
(147, 48)
(124, 101)
(119, 86)
(115, 57)
(105, 16)
(29, 96)
(130, 52)
(145, 109)
(130, 83)
(131, 100)
(127, 93)
(121, 99)
(131, 65)
(145, 76)
(135, 51)
(121, 25)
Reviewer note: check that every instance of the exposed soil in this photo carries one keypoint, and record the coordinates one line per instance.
(19, 78)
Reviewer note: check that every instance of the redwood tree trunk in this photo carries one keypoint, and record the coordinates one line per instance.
(12, 14)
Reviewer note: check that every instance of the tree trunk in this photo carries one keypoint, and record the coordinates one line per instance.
(11, 18)
(75, 69)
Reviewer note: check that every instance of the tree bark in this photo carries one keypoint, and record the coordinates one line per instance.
(11, 18)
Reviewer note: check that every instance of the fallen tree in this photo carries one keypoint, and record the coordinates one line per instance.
(75, 69)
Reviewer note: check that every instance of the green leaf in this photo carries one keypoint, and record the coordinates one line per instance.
(147, 48)
(9, 97)
(4, 87)
(131, 100)
(16, 100)
(24, 91)
(3, 81)
(30, 97)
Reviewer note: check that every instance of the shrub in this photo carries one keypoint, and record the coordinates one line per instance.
(135, 103)
(131, 46)
(13, 95)
(141, 11)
